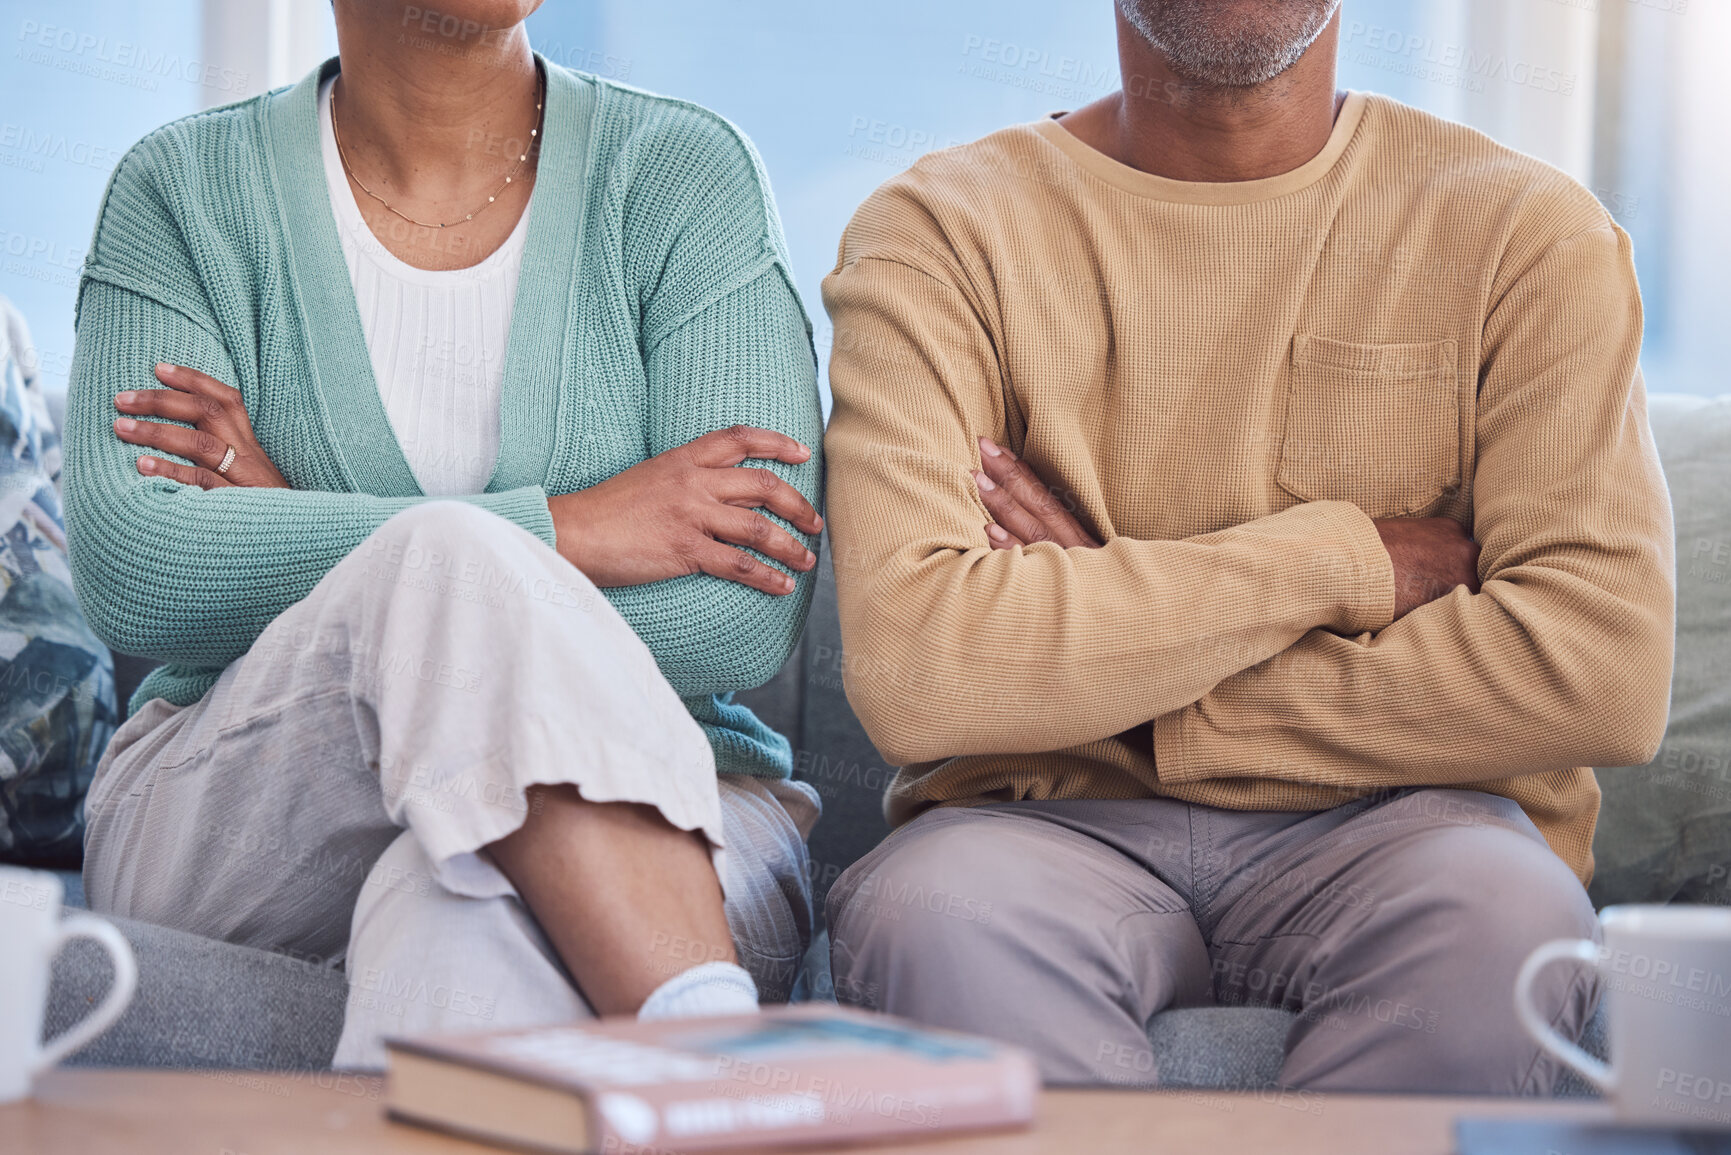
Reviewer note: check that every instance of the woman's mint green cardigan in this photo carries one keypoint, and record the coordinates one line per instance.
(655, 304)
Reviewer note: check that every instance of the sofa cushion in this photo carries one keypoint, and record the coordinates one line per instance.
(202, 1003)
(1241, 1049)
(1222, 1048)
(831, 750)
(1665, 828)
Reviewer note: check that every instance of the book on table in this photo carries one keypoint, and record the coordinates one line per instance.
(796, 1075)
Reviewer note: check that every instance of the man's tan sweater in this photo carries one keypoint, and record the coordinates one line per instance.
(1229, 381)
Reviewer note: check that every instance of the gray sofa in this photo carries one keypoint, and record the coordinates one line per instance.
(1665, 835)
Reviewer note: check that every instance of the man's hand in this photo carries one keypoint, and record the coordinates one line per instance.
(1431, 556)
(1022, 506)
(668, 516)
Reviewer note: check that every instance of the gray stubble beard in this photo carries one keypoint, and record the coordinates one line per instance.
(1201, 50)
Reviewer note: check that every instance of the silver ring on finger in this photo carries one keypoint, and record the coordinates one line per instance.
(227, 460)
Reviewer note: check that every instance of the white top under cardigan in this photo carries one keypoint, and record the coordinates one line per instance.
(436, 339)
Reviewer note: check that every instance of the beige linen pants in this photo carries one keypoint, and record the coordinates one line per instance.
(330, 797)
(1393, 926)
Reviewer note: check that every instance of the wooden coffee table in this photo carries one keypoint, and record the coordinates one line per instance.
(242, 1113)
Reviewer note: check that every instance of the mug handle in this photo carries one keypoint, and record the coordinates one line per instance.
(113, 1004)
(1582, 950)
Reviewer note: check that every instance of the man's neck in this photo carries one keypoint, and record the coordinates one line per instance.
(421, 108)
(1163, 124)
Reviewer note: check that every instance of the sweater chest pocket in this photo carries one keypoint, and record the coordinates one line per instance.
(1376, 425)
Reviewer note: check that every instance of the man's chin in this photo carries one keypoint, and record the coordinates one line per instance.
(1229, 43)
(1228, 73)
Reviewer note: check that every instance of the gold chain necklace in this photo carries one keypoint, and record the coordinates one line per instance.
(534, 135)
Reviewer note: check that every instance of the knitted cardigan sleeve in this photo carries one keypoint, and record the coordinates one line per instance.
(744, 360)
(726, 342)
(162, 569)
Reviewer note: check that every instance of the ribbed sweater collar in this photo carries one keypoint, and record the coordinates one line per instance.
(350, 409)
(1243, 192)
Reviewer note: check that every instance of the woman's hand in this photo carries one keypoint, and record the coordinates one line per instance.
(668, 516)
(1023, 506)
(220, 422)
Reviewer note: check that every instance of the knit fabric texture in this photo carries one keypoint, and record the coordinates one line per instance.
(1227, 382)
(655, 305)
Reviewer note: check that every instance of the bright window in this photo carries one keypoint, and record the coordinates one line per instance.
(80, 80)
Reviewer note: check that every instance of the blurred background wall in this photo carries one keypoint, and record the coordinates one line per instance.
(1631, 97)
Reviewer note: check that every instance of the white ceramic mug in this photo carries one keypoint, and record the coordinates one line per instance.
(31, 934)
(1667, 985)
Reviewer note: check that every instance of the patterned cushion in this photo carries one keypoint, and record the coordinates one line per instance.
(56, 679)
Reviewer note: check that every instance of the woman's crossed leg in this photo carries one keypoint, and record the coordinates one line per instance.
(452, 723)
